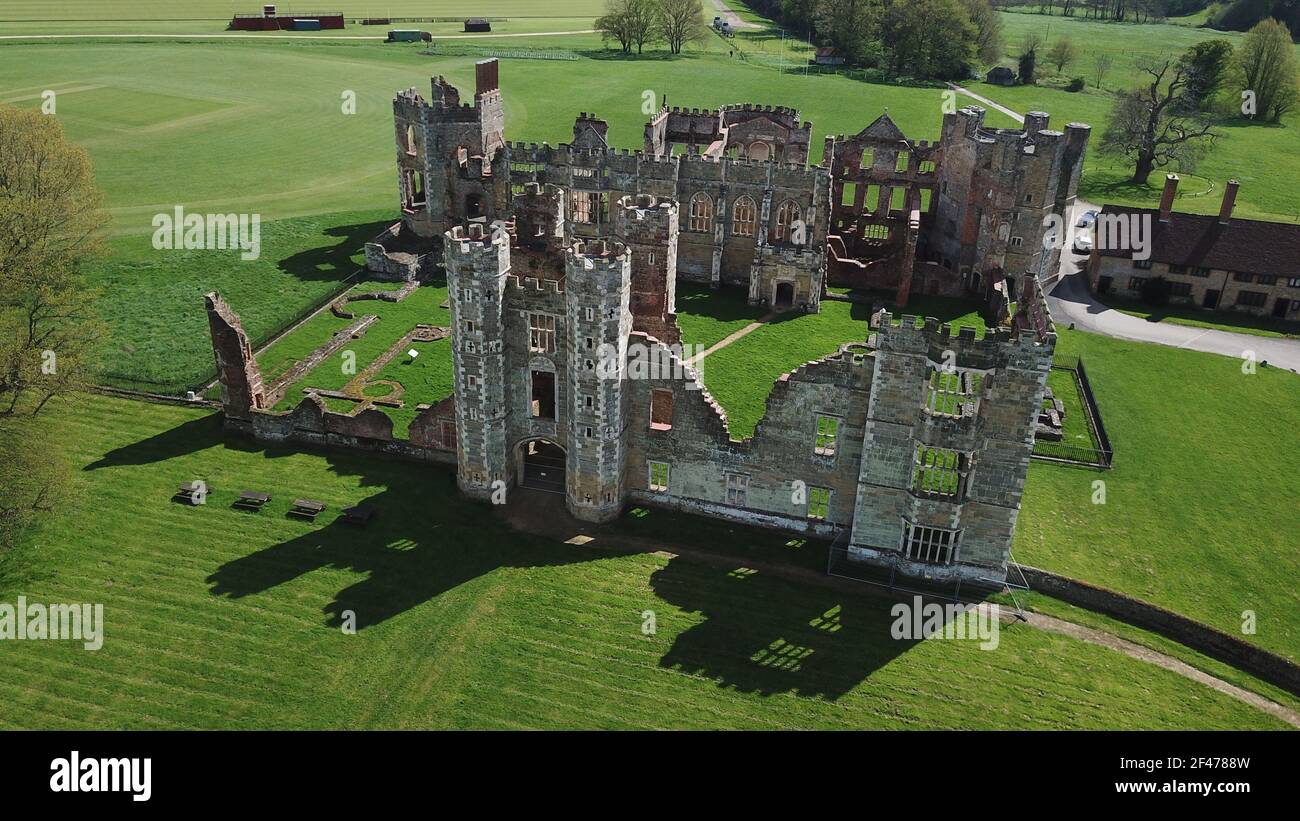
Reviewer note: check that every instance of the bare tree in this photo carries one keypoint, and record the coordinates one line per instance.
(1144, 128)
(681, 22)
(1101, 63)
(629, 23)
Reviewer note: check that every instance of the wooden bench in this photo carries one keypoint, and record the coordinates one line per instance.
(252, 500)
(307, 509)
(358, 515)
(192, 493)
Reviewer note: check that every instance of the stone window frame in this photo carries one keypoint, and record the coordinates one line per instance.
(818, 506)
(744, 217)
(412, 147)
(541, 338)
(700, 219)
(1135, 283)
(929, 545)
(788, 213)
(665, 471)
(655, 396)
(949, 390)
(826, 437)
(736, 488)
(1016, 242)
(940, 473)
(1257, 299)
(1142, 264)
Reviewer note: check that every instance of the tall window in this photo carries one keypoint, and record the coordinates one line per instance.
(939, 471)
(787, 215)
(410, 140)
(658, 476)
(581, 207)
(828, 430)
(931, 545)
(819, 502)
(953, 392)
(744, 217)
(701, 218)
(737, 489)
(541, 333)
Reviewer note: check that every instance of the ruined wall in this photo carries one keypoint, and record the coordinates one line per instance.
(701, 455)
(647, 226)
(990, 430)
(237, 371)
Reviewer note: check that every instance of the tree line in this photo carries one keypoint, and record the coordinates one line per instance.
(635, 24)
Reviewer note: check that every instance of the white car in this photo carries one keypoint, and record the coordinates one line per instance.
(1082, 242)
(1086, 219)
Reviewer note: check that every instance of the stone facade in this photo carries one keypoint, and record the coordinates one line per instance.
(881, 211)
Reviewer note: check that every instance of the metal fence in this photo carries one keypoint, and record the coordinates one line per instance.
(1101, 454)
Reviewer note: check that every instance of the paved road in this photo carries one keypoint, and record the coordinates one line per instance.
(1071, 302)
(731, 17)
(1020, 118)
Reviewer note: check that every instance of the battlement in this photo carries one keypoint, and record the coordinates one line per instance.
(479, 245)
(535, 284)
(995, 348)
(597, 251)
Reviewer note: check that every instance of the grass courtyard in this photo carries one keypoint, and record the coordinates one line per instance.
(218, 618)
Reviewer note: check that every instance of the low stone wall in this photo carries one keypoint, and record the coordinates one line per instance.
(1200, 637)
(371, 430)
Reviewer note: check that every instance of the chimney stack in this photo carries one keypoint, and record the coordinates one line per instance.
(485, 77)
(1229, 200)
(1167, 198)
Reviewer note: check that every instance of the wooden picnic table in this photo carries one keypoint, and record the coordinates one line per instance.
(252, 500)
(306, 508)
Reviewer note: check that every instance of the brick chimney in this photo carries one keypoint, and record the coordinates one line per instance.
(1229, 200)
(485, 76)
(1167, 198)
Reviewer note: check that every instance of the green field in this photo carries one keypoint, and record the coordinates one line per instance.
(224, 9)
(218, 618)
(1200, 508)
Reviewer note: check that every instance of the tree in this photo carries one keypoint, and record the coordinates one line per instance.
(988, 30)
(50, 219)
(1145, 127)
(1101, 63)
(929, 38)
(849, 26)
(1062, 54)
(1266, 68)
(1207, 64)
(629, 23)
(1027, 64)
(681, 22)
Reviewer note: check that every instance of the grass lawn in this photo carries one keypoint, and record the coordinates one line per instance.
(1200, 508)
(740, 376)
(217, 618)
(1194, 317)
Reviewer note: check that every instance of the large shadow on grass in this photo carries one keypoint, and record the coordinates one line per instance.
(766, 635)
(759, 633)
(334, 261)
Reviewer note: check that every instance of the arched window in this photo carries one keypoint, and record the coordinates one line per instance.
(743, 217)
(701, 213)
(759, 151)
(787, 217)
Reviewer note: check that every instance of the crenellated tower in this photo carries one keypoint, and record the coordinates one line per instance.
(647, 227)
(478, 270)
(598, 285)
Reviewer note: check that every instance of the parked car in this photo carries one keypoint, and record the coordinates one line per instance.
(1086, 219)
(1082, 242)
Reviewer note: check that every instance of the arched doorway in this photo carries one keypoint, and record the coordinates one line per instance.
(539, 464)
(784, 295)
(473, 206)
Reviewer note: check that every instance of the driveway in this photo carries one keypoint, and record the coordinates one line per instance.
(1072, 302)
